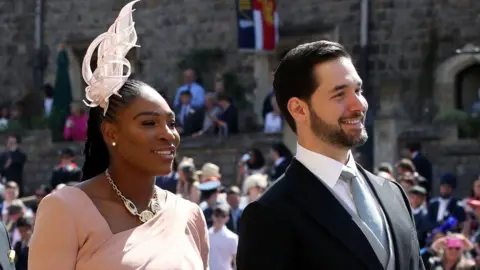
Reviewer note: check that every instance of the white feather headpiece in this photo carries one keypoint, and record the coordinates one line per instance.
(113, 69)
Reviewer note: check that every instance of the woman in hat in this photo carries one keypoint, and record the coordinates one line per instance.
(117, 219)
(451, 250)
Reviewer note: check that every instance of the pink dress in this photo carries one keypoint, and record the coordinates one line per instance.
(70, 234)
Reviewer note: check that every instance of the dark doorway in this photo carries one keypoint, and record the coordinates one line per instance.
(467, 85)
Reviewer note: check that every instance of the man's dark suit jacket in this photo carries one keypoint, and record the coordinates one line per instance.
(299, 224)
(424, 168)
(5, 247)
(193, 121)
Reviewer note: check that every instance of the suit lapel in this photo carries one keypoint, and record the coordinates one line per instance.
(319, 202)
(400, 226)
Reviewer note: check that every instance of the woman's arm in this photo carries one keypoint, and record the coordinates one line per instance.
(201, 227)
(54, 243)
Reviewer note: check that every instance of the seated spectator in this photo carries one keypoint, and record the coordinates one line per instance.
(190, 85)
(273, 120)
(212, 111)
(227, 122)
(188, 118)
(76, 124)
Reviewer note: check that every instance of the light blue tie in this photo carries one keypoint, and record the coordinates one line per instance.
(366, 206)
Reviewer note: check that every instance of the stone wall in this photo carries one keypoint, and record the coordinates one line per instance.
(16, 48)
(43, 155)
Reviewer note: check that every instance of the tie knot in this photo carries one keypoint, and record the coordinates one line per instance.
(347, 174)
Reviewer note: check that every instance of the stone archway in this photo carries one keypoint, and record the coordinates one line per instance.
(445, 86)
(445, 78)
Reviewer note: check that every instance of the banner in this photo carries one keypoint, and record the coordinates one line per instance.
(257, 24)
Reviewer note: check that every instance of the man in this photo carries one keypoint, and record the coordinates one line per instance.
(326, 212)
(446, 205)
(422, 164)
(7, 254)
(190, 84)
(223, 242)
(67, 171)
(12, 162)
(417, 195)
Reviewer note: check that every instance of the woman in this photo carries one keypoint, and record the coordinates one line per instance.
(117, 219)
(472, 221)
(451, 250)
(187, 186)
(251, 163)
(76, 125)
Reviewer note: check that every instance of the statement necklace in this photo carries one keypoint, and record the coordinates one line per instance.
(144, 216)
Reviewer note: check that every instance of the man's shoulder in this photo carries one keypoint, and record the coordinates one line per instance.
(276, 193)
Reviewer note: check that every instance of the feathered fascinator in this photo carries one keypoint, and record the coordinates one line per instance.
(113, 69)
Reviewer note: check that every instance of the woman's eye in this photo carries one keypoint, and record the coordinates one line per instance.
(171, 124)
(148, 123)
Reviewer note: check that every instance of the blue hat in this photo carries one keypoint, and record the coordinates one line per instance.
(448, 179)
(209, 186)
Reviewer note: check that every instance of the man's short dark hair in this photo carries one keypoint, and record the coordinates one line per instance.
(186, 93)
(414, 146)
(294, 76)
(223, 97)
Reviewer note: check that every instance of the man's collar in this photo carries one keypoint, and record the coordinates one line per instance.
(325, 168)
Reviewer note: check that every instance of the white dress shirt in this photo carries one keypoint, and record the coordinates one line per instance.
(328, 171)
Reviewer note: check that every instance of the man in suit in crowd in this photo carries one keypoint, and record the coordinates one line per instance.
(421, 162)
(7, 254)
(326, 212)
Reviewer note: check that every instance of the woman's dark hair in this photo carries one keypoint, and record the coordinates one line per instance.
(282, 151)
(96, 152)
(257, 161)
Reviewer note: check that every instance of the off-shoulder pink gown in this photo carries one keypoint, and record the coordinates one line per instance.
(70, 234)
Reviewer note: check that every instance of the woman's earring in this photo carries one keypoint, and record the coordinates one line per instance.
(114, 143)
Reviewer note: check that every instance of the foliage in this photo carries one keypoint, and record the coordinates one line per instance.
(468, 125)
(235, 89)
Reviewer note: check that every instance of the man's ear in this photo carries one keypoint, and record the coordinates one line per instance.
(298, 109)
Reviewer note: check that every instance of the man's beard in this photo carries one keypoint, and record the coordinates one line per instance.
(334, 134)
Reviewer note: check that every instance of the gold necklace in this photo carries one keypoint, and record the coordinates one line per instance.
(145, 215)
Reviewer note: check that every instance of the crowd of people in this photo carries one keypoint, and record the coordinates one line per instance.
(447, 226)
(331, 212)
